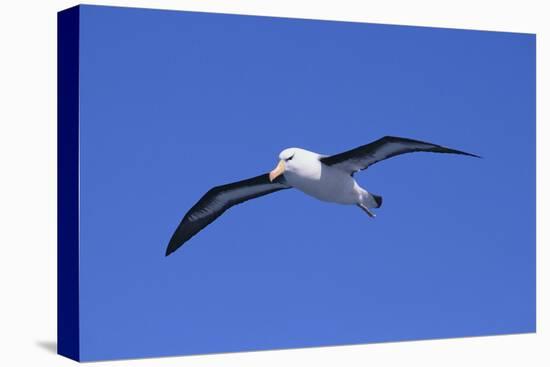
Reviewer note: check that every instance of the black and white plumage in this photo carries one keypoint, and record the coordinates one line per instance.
(327, 178)
(364, 156)
(216, 201)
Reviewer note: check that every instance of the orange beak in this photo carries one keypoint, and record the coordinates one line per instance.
(279, 170)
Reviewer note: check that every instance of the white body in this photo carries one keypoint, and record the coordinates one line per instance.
(305, 172)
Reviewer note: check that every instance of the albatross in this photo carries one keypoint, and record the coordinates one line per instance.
(325, 177)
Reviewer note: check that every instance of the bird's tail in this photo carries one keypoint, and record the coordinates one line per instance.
(372, 200)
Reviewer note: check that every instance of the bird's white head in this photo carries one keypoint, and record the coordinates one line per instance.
(292, 160)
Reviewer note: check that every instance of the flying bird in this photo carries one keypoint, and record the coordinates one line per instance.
(327, 178)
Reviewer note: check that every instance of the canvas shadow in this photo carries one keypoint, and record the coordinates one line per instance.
(48, 345)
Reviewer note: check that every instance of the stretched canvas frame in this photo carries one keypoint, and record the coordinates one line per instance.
(157, 107)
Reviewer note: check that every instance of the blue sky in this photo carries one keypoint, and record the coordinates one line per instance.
(173, 103)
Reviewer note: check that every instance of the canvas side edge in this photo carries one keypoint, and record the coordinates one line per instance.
(68, 329)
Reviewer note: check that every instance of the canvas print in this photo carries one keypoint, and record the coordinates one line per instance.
(236, 183)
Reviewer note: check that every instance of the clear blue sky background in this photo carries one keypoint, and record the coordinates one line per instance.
(173, 103)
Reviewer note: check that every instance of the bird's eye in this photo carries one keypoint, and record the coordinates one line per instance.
(289, 158)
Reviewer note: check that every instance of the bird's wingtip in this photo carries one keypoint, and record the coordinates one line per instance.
(475, 155)
(170, 249)
(465, 153)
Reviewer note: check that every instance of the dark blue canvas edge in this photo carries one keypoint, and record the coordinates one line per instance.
(68, 333)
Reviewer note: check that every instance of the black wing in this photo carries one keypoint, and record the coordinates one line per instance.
(216, 201)
(364, 156)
